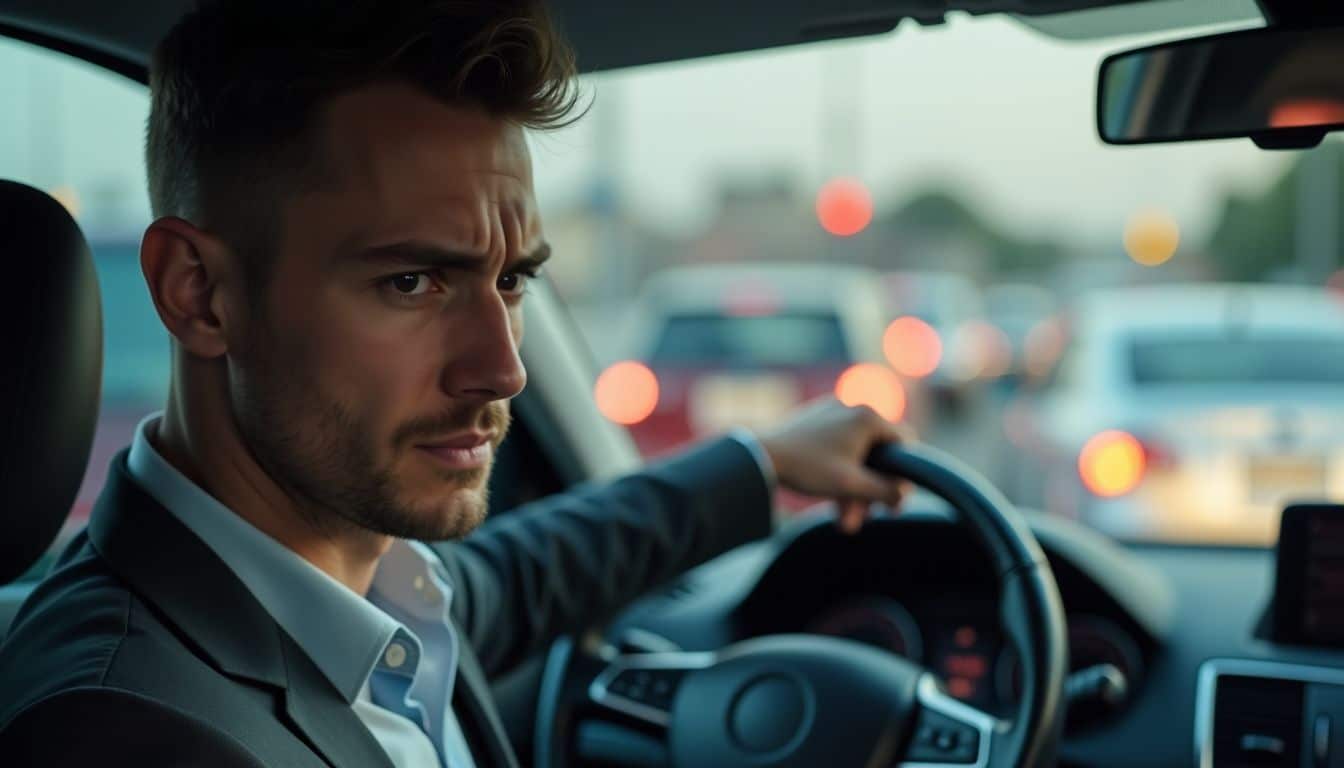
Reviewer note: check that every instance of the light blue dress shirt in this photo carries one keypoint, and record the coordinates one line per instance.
(392, 656)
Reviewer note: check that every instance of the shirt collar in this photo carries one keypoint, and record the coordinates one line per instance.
(346, 635)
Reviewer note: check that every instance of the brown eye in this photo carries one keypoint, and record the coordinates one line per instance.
(411, 284)
(510, 283)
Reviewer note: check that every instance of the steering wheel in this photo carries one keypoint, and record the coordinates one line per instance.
(789, 701)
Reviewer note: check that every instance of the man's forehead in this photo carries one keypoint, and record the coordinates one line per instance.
(402, 159)
(397, 128)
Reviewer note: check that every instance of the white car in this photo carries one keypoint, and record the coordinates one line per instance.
(1194, 412)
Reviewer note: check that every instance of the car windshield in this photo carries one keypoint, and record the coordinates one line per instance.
(723, 340)
(1227, 360)
(957, 168)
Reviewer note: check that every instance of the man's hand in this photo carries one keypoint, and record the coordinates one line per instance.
(820, 452)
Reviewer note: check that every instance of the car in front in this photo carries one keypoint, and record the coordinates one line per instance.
(724, 346)
(1023, 317)
(947, 309)
(1195, 412)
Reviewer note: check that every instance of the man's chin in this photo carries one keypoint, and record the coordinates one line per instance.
(451, 516)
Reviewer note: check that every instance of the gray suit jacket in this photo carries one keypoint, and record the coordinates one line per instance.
(143, 648)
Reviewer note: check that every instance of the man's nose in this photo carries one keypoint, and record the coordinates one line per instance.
(486, 365)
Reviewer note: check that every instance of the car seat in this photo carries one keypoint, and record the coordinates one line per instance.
(52, 331)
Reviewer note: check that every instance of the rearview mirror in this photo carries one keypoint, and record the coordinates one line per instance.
(1281, 87)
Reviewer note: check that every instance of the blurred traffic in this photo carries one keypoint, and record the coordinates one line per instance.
(1188, 412)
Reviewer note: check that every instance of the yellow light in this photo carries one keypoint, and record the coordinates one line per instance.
(627, 392)
(1152, 237)
(875, 386)
(1112, 464)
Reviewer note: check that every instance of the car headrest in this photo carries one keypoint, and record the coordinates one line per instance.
(51, 334)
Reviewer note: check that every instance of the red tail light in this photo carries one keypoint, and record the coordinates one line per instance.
(627, 392)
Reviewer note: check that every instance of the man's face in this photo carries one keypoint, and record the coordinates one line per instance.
(374, 381)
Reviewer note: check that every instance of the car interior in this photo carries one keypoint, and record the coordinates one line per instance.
(1068, 647)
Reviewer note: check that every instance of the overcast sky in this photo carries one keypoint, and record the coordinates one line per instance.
(984, 104)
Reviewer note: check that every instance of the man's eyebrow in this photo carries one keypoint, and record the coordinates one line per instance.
(432, 256)
(532, 261)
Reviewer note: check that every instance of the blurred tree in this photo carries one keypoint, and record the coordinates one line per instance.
(1255, 235)
(940, 215)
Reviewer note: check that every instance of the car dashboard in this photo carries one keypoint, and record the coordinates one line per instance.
(1147, 617)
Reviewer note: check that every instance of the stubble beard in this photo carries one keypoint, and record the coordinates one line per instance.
(325, 458)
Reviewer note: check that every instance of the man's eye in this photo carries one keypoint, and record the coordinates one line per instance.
(514, 282)
(411, 284)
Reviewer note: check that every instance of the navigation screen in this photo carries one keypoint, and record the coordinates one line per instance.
(1309, 590)
(1323, 598)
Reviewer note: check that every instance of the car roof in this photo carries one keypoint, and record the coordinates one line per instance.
(1162, 309)
(121, 36)
(716, 288)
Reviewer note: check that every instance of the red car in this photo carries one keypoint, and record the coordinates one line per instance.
(741, 345)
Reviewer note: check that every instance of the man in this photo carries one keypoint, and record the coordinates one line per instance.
(346, 230)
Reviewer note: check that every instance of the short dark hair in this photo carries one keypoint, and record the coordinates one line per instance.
(236, 83)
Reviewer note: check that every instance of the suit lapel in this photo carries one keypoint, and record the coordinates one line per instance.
(318, 711)
(173, 570)
(476, 714)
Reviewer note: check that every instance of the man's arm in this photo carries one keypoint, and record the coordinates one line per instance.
(569, 561)
(98, 726)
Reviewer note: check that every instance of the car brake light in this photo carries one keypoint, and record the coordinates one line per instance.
(875, 386)
(627, 392)
(912, 347)
(1112, 464)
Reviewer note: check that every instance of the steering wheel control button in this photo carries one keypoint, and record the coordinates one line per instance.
(941, 739)
(643, 692)
(650, 687)
(768, 714)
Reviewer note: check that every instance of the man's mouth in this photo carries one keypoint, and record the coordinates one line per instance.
(471, 450)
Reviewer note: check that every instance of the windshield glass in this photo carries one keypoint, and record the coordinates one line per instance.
(956, 169)
(987, 212)
(1232, 361)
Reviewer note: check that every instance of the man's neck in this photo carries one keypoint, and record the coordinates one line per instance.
(225, 469)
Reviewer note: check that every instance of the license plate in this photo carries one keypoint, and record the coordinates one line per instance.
(755, 402)
(1274, 480)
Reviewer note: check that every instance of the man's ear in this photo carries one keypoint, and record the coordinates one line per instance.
(186, 271)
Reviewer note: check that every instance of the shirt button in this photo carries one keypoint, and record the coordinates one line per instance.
(395, 655)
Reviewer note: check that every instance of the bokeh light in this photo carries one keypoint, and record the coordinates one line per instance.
(1334, 284)
(1112, 464)
(69, 197)
(912, 347)
(627, 392)
(995, 349)
(875, 386)
(844, 207)
(1152, 237)
(1043, 347)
